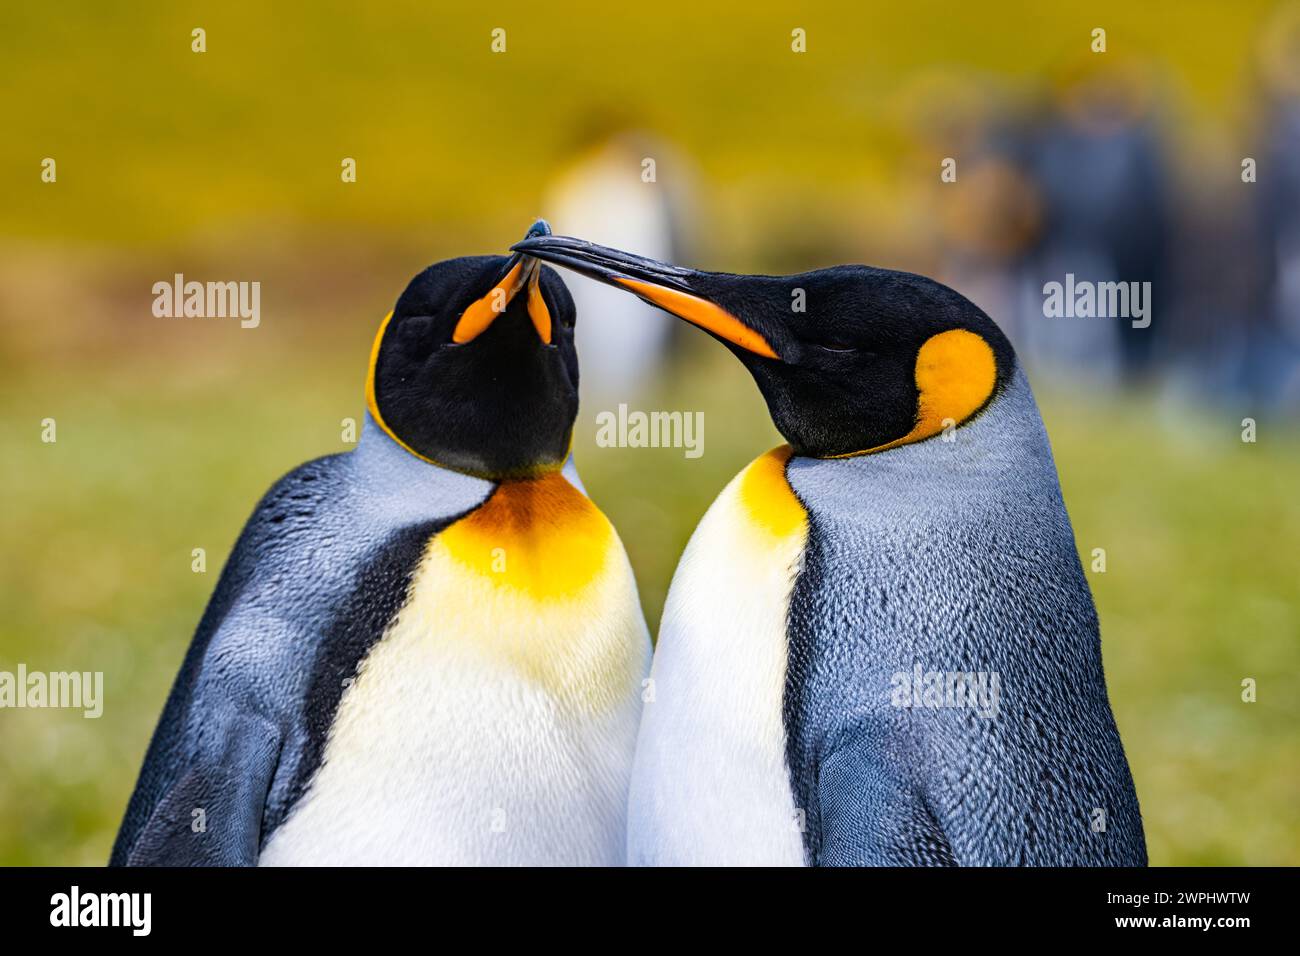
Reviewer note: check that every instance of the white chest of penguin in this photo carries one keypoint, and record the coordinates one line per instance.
(710, 784)
(495, 720)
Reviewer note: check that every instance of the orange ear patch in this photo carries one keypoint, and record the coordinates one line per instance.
(955, 375)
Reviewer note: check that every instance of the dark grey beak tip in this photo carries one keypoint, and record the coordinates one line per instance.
(524, 245)
(537, 240)
(540, 228)
(603, 263)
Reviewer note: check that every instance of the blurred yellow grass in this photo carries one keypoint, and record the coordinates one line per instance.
(155, 142)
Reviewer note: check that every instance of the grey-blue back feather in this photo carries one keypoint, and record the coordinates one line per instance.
(958, 557)
(319, 568)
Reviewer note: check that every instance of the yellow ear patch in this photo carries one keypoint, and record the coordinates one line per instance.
(372, 403)
(955, 375)
(370, 372)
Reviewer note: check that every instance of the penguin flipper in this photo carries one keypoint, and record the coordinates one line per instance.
(212, 815)
(869, 817)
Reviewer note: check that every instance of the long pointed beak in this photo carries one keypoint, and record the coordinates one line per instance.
(521, 272)
(660, 283)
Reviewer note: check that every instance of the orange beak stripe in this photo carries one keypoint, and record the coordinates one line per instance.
(537, 310)
(482, 312)
(703, 313)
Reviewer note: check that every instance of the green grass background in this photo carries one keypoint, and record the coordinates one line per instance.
(226, 164)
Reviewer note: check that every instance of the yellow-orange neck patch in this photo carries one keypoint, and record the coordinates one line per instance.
(955, 375)
(767, 496)
(540, 536)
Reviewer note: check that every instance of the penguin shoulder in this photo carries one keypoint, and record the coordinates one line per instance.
(760, 501)
(318, 531)
(742, 559)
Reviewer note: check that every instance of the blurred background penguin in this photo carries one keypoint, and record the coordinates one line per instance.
(595, 194)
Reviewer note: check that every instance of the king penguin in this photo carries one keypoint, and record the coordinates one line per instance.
(430, 649)
(879, 647)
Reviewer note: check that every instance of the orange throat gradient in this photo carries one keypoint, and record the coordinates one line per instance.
(540, 536)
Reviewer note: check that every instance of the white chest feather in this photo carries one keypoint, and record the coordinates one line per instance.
(710, 784)
(495, 721)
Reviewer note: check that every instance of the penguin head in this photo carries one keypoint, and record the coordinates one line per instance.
(475, 368)
(850, 359)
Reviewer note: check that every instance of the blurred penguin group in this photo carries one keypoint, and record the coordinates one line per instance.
(1082, 178)
(1088, 181)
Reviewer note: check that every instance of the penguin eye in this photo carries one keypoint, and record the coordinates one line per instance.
(837, 349)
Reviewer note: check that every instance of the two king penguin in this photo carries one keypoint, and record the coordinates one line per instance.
(845, 594)
(430, 649)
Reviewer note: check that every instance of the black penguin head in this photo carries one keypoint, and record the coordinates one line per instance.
(475, 368)
(850, 359)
